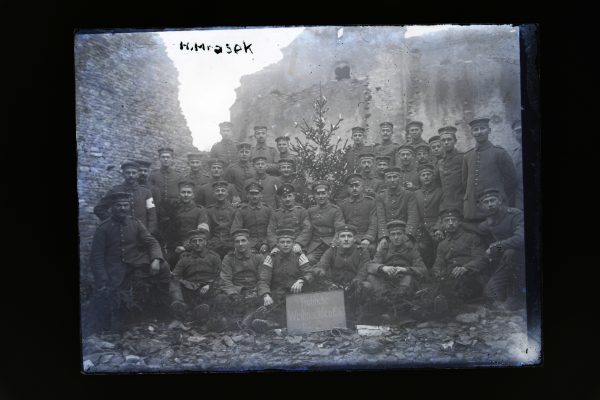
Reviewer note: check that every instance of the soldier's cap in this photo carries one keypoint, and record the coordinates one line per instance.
(434, 138)
(143, 163)
(186, 183)
(260, 128)
(411, 123)
(479, 121)
(120, 196)
(451, 212)
(425, 167)
(286, 161)
(166, 150)
(224, 124)
(220, 184)
(423, 146)
(516, 125)
(240, 232)
(282, 137)
(386, 124)
(406, 147)
(194, 156)
(289, 233)
(285, 189)
(345, 228)
(200, 232)
(447, 129)
(366, 155)
(257, 158)
(321, 182)
(489, 192)
(392, 170)
(244, 145)
(130, 164)
(388, 159)
(254, 187)
(214, 161)
(353, 178)
(395, 224)
(358, 129)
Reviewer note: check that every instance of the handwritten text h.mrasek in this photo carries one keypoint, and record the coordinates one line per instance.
(216, 48)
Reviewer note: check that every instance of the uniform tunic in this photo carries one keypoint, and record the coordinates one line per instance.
(270, 185)
(142, 207)
(450, 175)
(352, 156)
(362, 213)
(295, 218)
(396, 204)
(199, 178)
(341, 266)
(409, 174)
(323, 221)
(255, 219)
(299, 185)
(240, 271)
(187, 218)
(206, 194)
(225, 150)
(237, 173)
(194, 271)
(389, 149)
(428, 203)
(280, 271)
(220, 218)
(165, 185)
(462, 249)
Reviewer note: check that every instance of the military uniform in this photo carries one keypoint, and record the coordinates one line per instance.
(342, 266)
(396, 204)
(269, 184)
(352, 156)
(300, 190)
(186, 217)
(483, 167)
(286, 155)
(269, 152)
(428, 203)
(206, 195)
(409, 174)
(220, 218)
(225, 150)
(164, 183)
(256, 220)
(450, 175)
(295, 218)
(238, 173)
(198, 178)
(361, 213)
(323, 221)
(388, 149)
(142, 206)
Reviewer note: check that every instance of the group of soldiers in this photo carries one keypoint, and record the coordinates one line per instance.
(225, 245)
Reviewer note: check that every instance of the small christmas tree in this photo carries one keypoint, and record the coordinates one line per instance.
(319, 158)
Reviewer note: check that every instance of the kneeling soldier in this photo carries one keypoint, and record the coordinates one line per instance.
(280, 274)
(195, 278)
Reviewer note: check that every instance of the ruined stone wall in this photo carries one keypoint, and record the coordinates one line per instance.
(127, 107)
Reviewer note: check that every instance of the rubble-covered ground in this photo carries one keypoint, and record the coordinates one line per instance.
(477, 336)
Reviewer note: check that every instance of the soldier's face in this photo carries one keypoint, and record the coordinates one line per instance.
(414, 133)
(282, 146)
(186, 194)
(366, 164)
(422, 155)
(216, 170)
(254, 197)
(288, 199)
(480, 133)
(195, 165)
(346, 239)
(285, 169)
(406, 157)
(143, 173)
(130, 175)
(490, 204)
(198, 243)
(166, 159)
(448, 142)
(386, 133)
(358, 137)
(436, 148)
(450, 224)
(121, 209)
(356, 188)
(322, 195)
(426, 177)
(285, 244)
(260, 136)
(220, 193)
(241, 243)
(260, 166)
(381, 166)
(244, 154)
(226, 132)
(397, 236)
(392, 180)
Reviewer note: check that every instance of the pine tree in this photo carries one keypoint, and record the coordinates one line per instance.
(319, 158)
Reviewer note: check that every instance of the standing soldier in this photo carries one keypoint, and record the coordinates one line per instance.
(422, 154)
(395, 203)
(428, 199)
(289, 216)
(517, 156)
(450, 170)
(220, 218)
(414, 132)
(382, 163)
(253, 216)
(241, 170)
(351, 156)
(195, 278)
(226, 149)
(485, 166)
(323, 217)
(409, 178)
(142, 206)
(283, 152)
(386, 147)
(287, 167)
(144, 169)
(435, 149)
(196, 174)
(261, 149)
(206, 191)
(372, 184)
(360, 210)
(268, 182)
(504, 228)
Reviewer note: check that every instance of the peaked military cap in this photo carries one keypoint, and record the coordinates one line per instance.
(489, 192)
(166, 150)
(450, 212)
(366, 155)
(260, 128)
(254, 187)
(259, 157)
(353, 178)
(406, 147)
(240, 232)
(395, 224)
(386, 124)
(345, 228)
(186, 183)
(218, 184)
(417, 123)
(425, 167)
(447, 129)
(194, 156)
(198, 232)
(320, 183)
(479, 121)
(130, 164)
(286, 161)
(120, 196)
(243, 145)
(143, 163)
(392, 170)
(434, 138)
(281, 233)
(388, 159)
(421, 146)
(214, 161)
(358, 129)
(282, 137)
(224, 124)
(285, 189)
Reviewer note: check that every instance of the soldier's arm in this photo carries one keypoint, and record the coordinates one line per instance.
(418, 267)
(372, 229)
(465, 176)
(265, 274)
(227, 275)
(517, 240)
(151, 218)
(439, 264)
(322, 266)
(202, 217)
(306, 271)
(413, 215)
(362, 273)
(509, 173)
(374, 266)
(182, 264)
(478, 259)
(238, 221)
(303, 239)
(271, 228)
(381, 220)
(97, 258)
(149, 242)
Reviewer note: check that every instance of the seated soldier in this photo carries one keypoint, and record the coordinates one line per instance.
(459, 261)
(130, 274)
(238, 278)
(195, 278)
(253, 216)
(394, 272)
(504, 228)
(280, 274)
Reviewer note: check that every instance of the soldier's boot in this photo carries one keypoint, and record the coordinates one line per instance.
(264, 325)
(440, 305)
(179, 308)
(260, 312)
(200, 312)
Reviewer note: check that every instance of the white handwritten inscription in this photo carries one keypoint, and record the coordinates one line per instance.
(313, 312)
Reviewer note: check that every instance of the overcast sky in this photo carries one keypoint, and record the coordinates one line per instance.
(208, 80)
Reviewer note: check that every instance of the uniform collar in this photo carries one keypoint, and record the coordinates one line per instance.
(496, 218)
(346, 252)
(188, 206)
(459, 232)
(483, 146)
(450, 154)
(241, 256)
(261, 146)
(409, 168)
(165, 170)
(358, 199)
(117, 221)
(256, 207)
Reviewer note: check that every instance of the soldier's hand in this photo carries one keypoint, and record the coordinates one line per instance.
(179, 249)
(267, 300)
(389, 270)
(296, 248)
(204, 289)
(297, 286)
(155, 267)
(263, 249)
(235, 201)
(303, 259)
(383, 242)
(401, 270)
(438, 235)
(408, 185)
(365, 244)
(458, 271)
(275, 250)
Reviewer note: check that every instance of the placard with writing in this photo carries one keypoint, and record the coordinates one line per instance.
(313, 312)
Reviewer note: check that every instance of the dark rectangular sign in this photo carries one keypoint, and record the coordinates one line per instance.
(313, 312)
